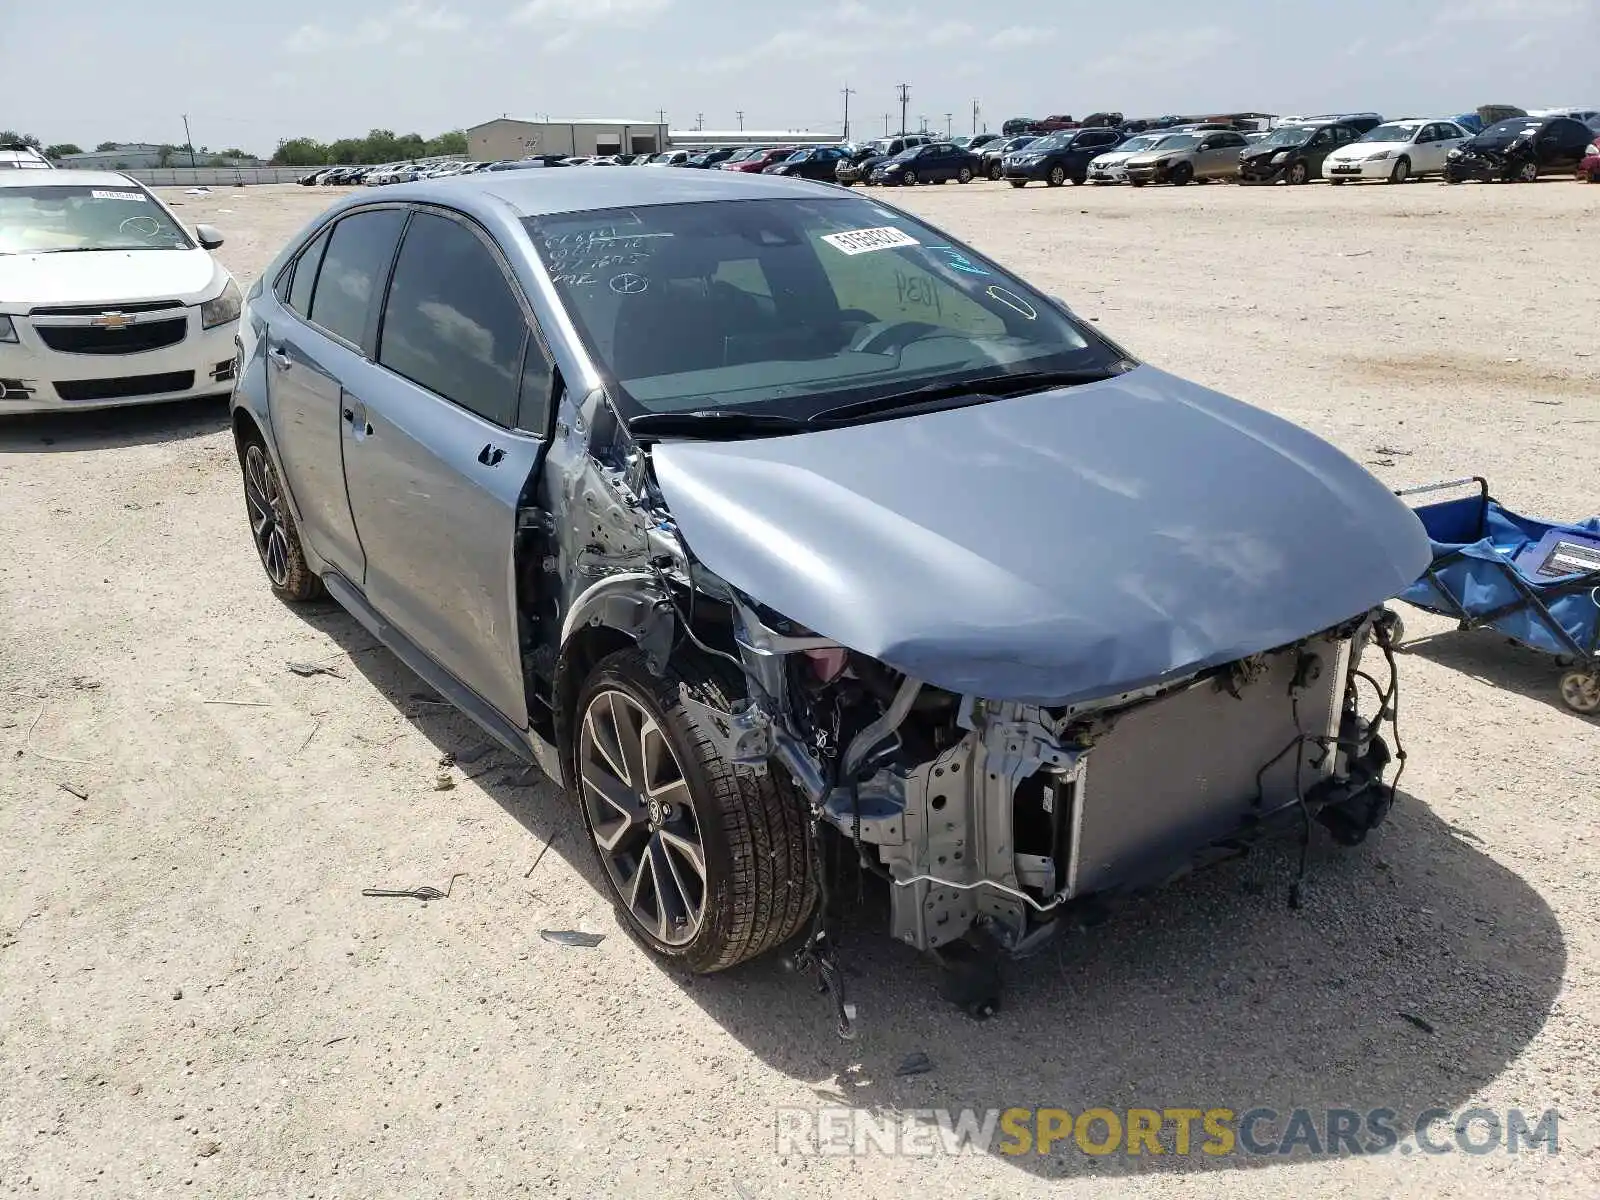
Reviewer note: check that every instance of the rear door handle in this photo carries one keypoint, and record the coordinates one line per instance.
(491, 455)
(276, 354)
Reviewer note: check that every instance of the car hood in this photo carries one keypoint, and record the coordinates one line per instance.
(1356, 151)
(108, 277)
(1054, 547)
(1145, 157)
(1115, 158)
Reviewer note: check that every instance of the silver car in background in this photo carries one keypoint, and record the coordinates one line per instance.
(782, 528)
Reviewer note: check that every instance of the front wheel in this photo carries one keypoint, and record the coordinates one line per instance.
(1580, 691)
(1182, 174)
(1299, 173)
(1401, 171)
(1528, 172)
(909, 178)
(273, 530)
(964, 175)
(706, 865)
(1058, 176)
(1019, 183)
(996, 174)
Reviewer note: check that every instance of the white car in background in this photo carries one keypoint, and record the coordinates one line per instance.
(105, 299)
(1395, 151)
(1112, 166)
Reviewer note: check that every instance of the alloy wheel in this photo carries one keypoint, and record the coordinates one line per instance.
(643, 817)
(264, 503)
(1580, 691)
(1529, 172)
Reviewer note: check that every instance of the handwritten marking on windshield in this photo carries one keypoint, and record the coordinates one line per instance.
(1014, 302)
(921, 290)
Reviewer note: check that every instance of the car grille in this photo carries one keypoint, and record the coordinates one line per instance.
(130, 339)
(131, 385)
(94, 310)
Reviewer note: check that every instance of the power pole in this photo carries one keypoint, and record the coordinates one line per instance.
(922, 123)
(948, 130)
(905, 99)
(885, 124)
(974, 118)
(699, 121)
(740, 115)
(848, 91)
(661, 115)
(187, 139)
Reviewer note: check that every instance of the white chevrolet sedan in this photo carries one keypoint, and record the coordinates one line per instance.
(105, 299)
(1395, 151)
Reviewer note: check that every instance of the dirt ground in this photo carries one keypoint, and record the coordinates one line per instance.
(195, 998)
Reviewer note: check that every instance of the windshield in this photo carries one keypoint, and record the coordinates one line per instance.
(1133, 145)
(1019, 143)
(741, 155)
(1506, 131)
(1053, 141)
(1391, 133)
(1180, 141)
(50, 219)
(1287, 135)
(791, 306)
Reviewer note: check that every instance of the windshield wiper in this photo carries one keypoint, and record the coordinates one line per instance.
(969, 391)
(714, 424)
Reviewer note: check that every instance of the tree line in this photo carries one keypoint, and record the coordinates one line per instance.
(379, 146)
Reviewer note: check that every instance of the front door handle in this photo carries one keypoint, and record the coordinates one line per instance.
(491, 455)
(355, 416)
(279, 358)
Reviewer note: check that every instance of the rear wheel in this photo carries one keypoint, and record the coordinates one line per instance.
(273, 530)
(1401, 172)
(1057, 176)
(706, 865)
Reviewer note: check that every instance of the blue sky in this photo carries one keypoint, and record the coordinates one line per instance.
(249, 74)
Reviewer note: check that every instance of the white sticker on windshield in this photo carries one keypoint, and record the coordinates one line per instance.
(99, 195)
(860, 241)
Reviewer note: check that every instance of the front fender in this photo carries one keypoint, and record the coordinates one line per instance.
(630, 602)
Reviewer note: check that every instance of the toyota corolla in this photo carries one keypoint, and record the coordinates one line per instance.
(782, 528)
(105, 299)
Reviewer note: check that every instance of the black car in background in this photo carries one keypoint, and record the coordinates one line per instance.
(937, 163)
(812, 162)
(1294, 153)
(1522, 148)
(711, 158)
(993, 155)
(858, 167)
(1058, 157)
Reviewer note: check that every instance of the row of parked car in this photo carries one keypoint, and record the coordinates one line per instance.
(1495, 143)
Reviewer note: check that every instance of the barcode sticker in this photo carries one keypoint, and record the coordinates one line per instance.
(861, 241)
(99, 195)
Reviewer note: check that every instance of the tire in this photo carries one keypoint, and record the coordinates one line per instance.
(1018, 183)
(1181, 174)
(1401, 171)
(752, 832)
(996, 174)
(908, 178)
(1337, 182)
(1137, 182)
(1298, 173)
(964, 175)
(272, 527)
(1528, 172)
(1057, 176)
(1580, 691)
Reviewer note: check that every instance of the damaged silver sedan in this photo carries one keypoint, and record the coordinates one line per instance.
(793, 536)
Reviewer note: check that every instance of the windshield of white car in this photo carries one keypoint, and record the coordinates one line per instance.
(60, 218)
(791, 306)
(1392, 133)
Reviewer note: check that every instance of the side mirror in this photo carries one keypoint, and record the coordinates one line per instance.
(208, 236)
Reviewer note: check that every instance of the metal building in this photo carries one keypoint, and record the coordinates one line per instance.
(508, 137)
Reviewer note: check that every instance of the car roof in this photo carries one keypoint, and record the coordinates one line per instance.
(64, 178)
(540, 194)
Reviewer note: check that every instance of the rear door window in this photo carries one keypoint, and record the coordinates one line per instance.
(451, 322)
(359, 252)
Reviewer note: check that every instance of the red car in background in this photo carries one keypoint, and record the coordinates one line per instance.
(1589, 168)
(759, 161)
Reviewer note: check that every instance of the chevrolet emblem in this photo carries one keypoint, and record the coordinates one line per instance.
(112, 320)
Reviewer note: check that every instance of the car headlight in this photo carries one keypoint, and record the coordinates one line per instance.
(222, 308)
(1374, 157)
(1280, 156)
(8, 331)
(1454, 154)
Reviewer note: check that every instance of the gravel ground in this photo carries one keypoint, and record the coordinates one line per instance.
(196, 999)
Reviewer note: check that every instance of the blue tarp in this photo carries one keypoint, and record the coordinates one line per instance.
(1485, 547)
